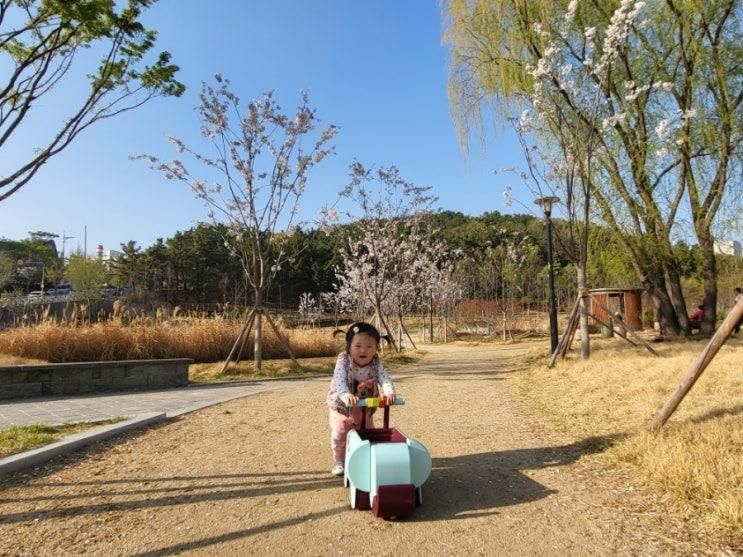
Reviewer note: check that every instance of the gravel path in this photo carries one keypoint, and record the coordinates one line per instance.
(251, 476)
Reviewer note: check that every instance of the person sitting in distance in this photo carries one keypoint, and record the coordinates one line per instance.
(696, 317)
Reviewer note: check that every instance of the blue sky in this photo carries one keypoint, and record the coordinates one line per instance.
(378, 69)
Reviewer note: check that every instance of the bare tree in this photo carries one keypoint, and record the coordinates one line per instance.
(258, 172)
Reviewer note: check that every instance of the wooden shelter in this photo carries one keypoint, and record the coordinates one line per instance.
(616, 310)
(626, 301)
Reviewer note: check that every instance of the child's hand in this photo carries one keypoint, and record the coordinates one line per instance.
(349, 399)
(389, 399)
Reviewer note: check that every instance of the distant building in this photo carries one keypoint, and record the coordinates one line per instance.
(107, 256)
(732, 247)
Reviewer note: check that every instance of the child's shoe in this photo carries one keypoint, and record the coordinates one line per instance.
(337, 469)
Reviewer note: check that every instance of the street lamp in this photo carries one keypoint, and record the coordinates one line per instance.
(546, 204)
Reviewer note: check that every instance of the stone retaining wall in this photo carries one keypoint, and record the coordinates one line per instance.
(78, 378)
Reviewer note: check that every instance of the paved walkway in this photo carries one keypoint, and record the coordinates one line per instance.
(57, 410)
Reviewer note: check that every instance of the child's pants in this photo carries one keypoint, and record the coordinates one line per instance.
(340, 425)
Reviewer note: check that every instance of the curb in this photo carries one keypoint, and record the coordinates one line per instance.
(71, 443)
(254, 381)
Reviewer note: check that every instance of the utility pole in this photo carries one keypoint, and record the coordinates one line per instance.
(64, 240)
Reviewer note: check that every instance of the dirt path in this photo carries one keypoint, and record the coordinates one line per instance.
(251, 477)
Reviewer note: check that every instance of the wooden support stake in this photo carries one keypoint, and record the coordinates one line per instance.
(709, 352)
(631, 333)
(246, 336)
(581, 297)
(247, 325)
(407, 334)
(572, 330)
(565, 334)
(283, 342)
(387, 331)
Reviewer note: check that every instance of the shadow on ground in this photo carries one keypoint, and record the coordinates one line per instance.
(477, 484)
(159, 492)
(719, 413)
(239, 534)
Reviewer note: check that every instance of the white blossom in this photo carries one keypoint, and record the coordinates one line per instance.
(525, 121)
(542, 70)
(507, 197)
(618, 31)
(663, 129)
(611, 121)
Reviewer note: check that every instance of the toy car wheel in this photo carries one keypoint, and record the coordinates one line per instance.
(394, 501)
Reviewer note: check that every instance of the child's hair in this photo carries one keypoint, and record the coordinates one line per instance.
(358, 328)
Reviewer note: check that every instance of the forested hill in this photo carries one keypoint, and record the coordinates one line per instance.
(497, 256)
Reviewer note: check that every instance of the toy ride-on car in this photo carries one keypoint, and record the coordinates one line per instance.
(384, 469)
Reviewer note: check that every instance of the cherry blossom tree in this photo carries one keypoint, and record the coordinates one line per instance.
(427, 277)
(256, 174)
(383, 252)
(309, 308)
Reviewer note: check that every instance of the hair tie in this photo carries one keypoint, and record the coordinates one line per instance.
(355, 329)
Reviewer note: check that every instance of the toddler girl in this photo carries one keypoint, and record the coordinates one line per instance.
(357, 373)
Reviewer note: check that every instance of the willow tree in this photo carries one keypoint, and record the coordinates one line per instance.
(41, 50)
(255, 169)
(643, 87)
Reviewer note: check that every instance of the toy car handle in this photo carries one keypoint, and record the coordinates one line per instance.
(378, 402)
(374, 402)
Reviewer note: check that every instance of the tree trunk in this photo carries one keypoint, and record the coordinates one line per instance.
(676, 293)
(667, 318)
(709, 274)
(257, 347)
(384, 329)
(585, 341)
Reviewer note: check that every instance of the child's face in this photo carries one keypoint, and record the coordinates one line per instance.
(363, 348)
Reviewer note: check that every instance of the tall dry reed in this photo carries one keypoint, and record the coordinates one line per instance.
(204, 340)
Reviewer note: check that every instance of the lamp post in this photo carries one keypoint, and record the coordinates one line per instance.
(546, 204)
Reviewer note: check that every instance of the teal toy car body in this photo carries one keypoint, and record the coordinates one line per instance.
(384, 469)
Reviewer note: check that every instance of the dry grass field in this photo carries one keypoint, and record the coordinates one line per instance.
(204, 340)
(695, 461)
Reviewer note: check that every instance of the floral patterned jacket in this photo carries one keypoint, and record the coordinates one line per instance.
(348, 378)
